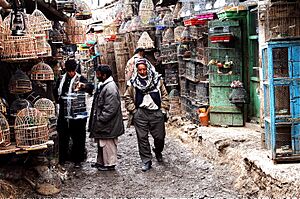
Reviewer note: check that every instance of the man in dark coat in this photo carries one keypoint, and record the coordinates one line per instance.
(74, 128)
(106, 121)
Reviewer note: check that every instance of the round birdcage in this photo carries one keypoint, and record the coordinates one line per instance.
(19, 83)
(31, 128)
(4, 132)
(18, 105)
(42, 72)
(45, 106)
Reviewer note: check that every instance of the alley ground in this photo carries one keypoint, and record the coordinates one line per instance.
(184, 173)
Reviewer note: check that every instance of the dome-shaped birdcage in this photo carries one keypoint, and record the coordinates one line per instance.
(42, 72)
(31, 128)
(18, 105)
(145, 41)
(19, 83)
(39, 22)
(177, 33)
(4, 132)
(45, 106)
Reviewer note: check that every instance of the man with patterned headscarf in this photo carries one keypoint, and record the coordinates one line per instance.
(146, 99)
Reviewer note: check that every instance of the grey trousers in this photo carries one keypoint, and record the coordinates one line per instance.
(149, 121)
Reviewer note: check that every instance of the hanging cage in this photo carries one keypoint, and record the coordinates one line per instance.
(19, 83)
(31, 128)
(42, 72)
(4, 132)
(46, 106)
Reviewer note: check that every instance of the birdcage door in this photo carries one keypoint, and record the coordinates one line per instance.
(294, 63)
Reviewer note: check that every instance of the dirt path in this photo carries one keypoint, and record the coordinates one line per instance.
(182, 174)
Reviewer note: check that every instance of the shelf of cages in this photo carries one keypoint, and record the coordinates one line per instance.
(198, 93)
(281, 19)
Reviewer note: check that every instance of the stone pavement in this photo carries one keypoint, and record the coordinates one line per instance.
(242, 149)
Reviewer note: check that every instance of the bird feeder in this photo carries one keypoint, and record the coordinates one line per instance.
(31, 128)
(46, 106)
(42, 72)
(19, 83)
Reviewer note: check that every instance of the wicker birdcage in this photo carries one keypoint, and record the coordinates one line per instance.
(42, 72)
(145, 41)
(178, 32)
(46, 106)
(39, 23)
(146, 11)
(75, 106)
(168, 36)
(31, 128)
(4, 132)
(176, 10)
(18, 105)
(75, 31)
(19, 83)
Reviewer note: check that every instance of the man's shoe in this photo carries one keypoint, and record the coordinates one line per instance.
(77, 165)
(147, 166)
(158, 155)
(106, 168)
(96, 165)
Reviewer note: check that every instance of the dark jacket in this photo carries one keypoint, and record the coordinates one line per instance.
(106, 120)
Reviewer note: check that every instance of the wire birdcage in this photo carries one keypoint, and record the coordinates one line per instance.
(4, 132)
(31, 128)
(174, 102)
(19, 83)
(45, 106)
(177, 33)
(75, 106)
(282, 19)
(145, 41)
(42, 72)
